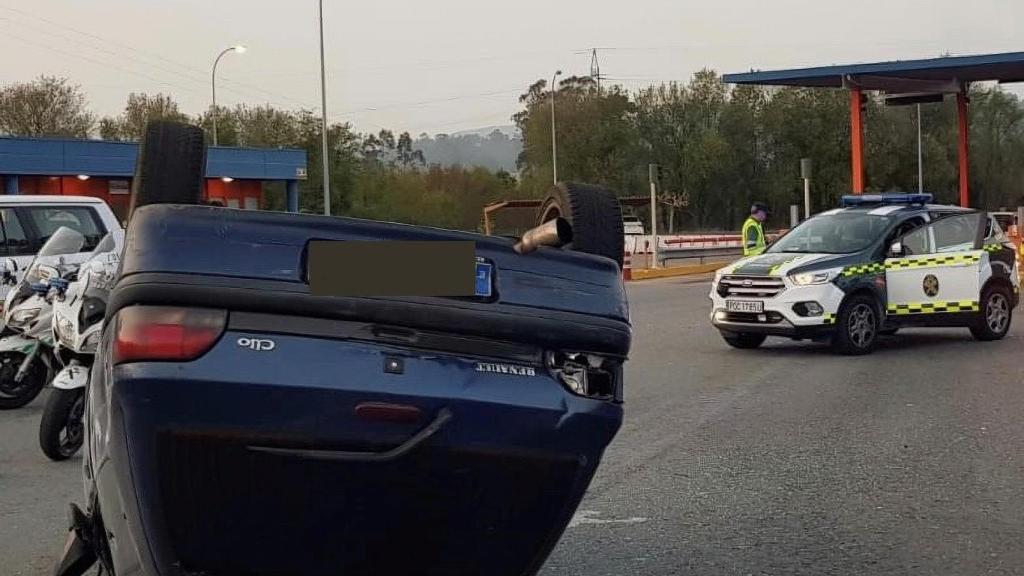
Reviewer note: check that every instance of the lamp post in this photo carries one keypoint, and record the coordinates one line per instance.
(554, 140)
(213, 81)
(325, 157)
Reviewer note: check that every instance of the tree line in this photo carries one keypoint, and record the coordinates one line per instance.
(719, 148)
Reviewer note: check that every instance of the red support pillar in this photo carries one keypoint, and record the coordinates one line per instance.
(963, 147)
(856, 141)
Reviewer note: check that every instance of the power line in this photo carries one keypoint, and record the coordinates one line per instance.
(88, 59)
(197, 75)
(425, 102)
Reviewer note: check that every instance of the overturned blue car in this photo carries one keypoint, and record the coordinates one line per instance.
(241, 422)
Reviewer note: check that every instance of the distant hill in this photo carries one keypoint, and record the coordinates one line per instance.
(509, 130)
(492, 147)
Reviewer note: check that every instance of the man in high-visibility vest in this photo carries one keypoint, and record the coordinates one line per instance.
(753, 231)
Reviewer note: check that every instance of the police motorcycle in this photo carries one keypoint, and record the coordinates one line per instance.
(78, 309)
(26, 352)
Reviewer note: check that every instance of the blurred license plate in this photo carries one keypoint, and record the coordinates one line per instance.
(744, 306)
(483, 279)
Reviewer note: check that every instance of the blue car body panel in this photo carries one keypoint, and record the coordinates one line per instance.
(216, 466)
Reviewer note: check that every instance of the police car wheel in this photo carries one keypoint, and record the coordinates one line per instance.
(994, 320)
(744, 340)
(857, 327)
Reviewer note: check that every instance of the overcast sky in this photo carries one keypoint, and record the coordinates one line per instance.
(450, 65)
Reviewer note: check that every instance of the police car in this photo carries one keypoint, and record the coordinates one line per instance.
(880, 263)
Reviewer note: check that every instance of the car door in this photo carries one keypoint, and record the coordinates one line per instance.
(936, 268)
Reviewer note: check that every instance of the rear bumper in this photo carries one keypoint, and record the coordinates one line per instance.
(490, 493)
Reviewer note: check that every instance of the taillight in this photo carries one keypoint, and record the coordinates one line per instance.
(161, 333)
(587, 374)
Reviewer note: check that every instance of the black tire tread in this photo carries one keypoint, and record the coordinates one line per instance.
(171, 165)
(55, 415)
(980, 329)
(38, 382)
(841, 339)
(744, 340)
(595, 215)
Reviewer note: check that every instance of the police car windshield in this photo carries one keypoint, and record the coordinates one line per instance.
(837, 233)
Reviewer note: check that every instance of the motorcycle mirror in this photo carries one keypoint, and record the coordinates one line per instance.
(11, 265)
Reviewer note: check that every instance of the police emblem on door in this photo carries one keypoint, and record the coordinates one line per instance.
(931, 285)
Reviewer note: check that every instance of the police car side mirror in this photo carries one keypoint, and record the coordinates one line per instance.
(896, 249)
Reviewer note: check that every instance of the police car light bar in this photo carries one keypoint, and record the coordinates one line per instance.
(883, 199)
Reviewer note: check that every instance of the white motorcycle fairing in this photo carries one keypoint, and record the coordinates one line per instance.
(73, 376)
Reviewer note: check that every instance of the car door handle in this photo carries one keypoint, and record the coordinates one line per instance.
(443, 417)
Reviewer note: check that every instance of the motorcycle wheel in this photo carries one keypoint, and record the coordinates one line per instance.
(62, 430)
(17, 394)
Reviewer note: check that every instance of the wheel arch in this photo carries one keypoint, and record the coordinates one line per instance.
(873, 292)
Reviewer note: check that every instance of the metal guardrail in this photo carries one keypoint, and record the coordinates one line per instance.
(703, 255)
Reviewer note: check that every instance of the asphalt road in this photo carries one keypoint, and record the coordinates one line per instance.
(783, 460)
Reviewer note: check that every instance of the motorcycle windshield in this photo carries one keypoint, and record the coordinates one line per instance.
(64, 241)
(107, 244)
(99, 266)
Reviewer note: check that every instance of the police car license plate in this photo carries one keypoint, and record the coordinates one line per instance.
(754, 306)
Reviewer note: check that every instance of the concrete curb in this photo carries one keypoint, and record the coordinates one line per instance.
(651, 273)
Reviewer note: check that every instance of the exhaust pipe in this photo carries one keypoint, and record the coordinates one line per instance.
(557, 232)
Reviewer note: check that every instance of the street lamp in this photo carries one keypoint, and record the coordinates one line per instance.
(213, 80)
(325, 157)
(554, 141)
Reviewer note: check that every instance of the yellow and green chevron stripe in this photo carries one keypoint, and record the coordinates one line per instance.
(991, 248)
(939, 260)
(933, 307)
(905, 263)
(871, 268)
(829, 318)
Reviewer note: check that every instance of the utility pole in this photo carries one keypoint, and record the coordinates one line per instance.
(652, 175)
(920, 154)
(805, 172)
(554, 140)
(325, 155)
(595, 68)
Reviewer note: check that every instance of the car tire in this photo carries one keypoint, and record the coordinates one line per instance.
(744, 340)
(595, 215)
(857, 326)
(62, 427)
(995, 316)
(171, 165)
(15, 396)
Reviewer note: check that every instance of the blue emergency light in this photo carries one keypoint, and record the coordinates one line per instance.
(885, 199)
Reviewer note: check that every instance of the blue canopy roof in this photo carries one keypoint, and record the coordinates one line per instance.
(69, 157)
(1007, 67)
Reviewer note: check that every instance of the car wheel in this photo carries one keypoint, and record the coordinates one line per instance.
(857, 326)
(595, 215)
(996, 313)
(171, 165)
(744, 340)
(17, 394)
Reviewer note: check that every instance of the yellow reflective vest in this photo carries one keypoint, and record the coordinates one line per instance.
(753, 237)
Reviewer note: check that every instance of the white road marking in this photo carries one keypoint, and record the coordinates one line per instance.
(590, 517)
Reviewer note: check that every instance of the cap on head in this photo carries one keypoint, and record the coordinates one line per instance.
(759, 207)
